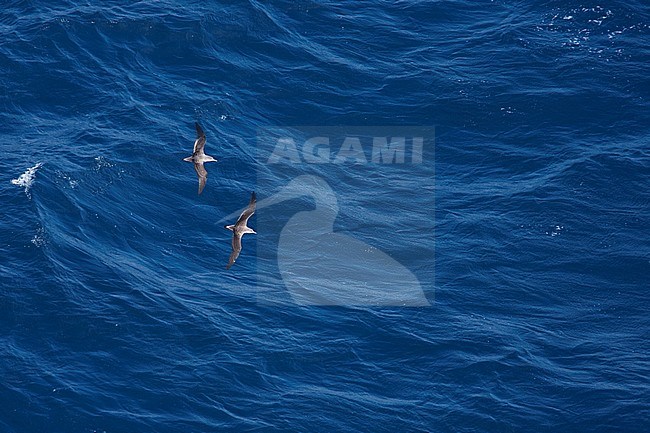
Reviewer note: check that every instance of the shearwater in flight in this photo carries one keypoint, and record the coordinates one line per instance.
(239, 229)
(199, 157)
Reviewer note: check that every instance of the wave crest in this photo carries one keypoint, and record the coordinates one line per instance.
(26, 179)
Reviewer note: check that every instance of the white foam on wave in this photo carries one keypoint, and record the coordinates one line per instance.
(26, 179)
(39, 238)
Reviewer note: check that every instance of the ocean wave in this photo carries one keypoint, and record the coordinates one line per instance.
(526, 223)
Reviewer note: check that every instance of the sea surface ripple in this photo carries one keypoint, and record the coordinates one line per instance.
(526, 224)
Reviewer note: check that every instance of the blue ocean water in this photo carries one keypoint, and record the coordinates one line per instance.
(525, 224)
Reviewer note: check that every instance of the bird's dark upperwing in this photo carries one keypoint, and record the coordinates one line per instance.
(199, 131)
(202, 174)
(199, 144)
(236, 249)
(248, 212)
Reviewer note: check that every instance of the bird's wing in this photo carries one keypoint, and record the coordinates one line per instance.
(249, 211)
(199, 144)
(236, 249)
(202, 174)
(199, 130)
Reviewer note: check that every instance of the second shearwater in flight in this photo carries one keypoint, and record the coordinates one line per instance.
(239, 229)
(199, 157)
